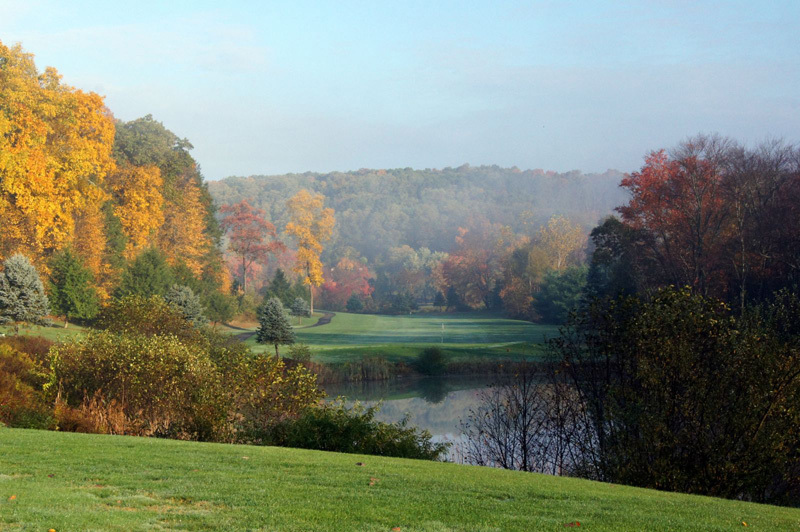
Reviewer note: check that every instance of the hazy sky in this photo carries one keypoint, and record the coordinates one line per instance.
(271, 87)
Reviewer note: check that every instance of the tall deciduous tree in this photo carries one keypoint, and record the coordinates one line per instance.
(55, 151)
(251, 237)
(137, 205)
(72, 293)
(274, 327)
(560, 238)
(22, 295)
(311, 224)
(679, 205)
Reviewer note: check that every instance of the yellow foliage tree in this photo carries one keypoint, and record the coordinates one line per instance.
(559, 239)
(55, 152)
(182, 235)
(138, 205)
(311, 224)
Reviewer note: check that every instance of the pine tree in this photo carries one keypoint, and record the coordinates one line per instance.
(71, 289)
(274, 325)
(188, 303)
(148, 275)
(22, 296)
(300, 309)
(220, 307)
(281, 288)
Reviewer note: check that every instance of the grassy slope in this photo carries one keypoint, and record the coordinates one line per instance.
(85, 482)
(472, 335)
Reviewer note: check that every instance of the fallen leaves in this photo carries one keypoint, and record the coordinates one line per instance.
(359, 463)
(573, 524)
(12, 498)
(373, 481)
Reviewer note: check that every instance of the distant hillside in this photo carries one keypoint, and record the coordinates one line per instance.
(380, 209)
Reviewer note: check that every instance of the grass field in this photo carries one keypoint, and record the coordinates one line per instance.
(464, 336)
(64, 481)
(56, 333)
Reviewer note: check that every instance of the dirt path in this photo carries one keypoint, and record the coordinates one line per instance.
(323, 320)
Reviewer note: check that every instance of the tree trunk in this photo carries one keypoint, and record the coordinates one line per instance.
(244, 275)
(66, 321)
(311, 291)
(277, 356)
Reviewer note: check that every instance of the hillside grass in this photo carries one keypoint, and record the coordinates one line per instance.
(70, 481)
(465, 336)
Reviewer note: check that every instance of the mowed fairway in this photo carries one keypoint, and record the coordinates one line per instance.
(65, 481)
(462, 335)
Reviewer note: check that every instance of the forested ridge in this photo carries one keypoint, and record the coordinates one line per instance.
(381, 209)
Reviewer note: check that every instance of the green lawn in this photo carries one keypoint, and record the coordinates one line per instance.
(85, 482)
(56, 333)
(465, 336)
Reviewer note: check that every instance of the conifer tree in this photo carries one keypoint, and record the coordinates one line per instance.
(300, 309)
(148, 275)
(274, 325)
(188, 303)
(72, 293)
(22, 296)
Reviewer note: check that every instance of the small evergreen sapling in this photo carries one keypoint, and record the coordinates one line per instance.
(274, 325)
(300, 309)
(22, 296)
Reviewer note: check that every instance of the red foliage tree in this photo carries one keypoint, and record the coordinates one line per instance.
(679, 205)
(251, 237)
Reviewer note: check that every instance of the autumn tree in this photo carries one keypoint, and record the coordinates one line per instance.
(311, 224)
(55, 151)
(251, 237)
(679, 204)
(137, 205)
(560, 239)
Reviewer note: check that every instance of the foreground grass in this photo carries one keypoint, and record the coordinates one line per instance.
(465, 336)
(86, 482)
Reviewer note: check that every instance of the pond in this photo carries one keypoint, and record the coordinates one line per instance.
(437, 404)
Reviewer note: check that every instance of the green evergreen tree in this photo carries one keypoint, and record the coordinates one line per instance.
(188, 303)
(274, 325)
(220, 308)
(440, 301)
(354, 304)
(72, 293)
(281, 288)
(300, 309)
(148, 275)
(22, 295)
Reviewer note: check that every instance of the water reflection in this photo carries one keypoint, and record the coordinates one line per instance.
(437, 404)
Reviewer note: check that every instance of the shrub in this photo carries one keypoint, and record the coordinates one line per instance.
(335, 427)
(162, 386)
(21, 402)
(35, 346)
(300, 353)
(144, 315)
(431, 361)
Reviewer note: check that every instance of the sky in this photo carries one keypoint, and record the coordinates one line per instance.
(267, 87)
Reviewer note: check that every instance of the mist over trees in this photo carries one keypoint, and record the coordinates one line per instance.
(381, 209)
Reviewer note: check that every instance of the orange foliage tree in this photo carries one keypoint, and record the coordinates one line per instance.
(311, 224)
